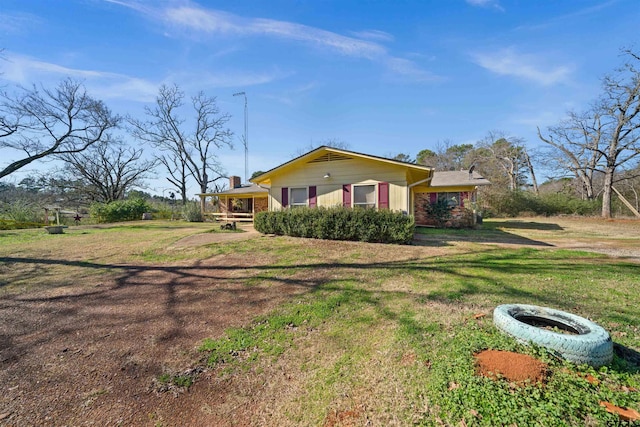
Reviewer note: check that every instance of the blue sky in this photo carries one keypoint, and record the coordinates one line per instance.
(383, 76)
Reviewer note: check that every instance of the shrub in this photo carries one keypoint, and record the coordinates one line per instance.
(518, 203)
(440, 211)
(191, 212)
(21, 211)
(338, 223)
(119, 210)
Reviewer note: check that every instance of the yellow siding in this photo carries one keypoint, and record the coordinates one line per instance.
(353, 171)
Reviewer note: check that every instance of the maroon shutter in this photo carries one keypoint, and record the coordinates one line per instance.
(285, 197)
(346, 195)
(312, 196)
(383, 195)
(433, 197)
(463, 195)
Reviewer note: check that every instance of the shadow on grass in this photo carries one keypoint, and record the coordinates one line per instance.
(629, 355)
(495, 275)
(489, 232)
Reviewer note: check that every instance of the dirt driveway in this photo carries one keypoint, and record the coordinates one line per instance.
(87, 355)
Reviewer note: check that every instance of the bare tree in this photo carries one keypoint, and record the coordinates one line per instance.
(575, 146)
(43, 122)
(330, 142)
(605, 138)
(503, 159)
(107, 170)
(186, 152)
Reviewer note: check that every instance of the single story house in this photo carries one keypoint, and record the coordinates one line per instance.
(330, 176)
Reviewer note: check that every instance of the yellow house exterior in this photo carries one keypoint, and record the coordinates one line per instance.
(333, 177)
(330, 176)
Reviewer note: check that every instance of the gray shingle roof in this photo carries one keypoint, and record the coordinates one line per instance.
(457, 178)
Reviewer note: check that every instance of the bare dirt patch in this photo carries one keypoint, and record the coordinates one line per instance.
(514, 367)
(89, 354)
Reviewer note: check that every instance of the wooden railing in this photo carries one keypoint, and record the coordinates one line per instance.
(231, 216)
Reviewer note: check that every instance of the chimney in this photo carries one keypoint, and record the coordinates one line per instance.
(471, 172)
(234, 182)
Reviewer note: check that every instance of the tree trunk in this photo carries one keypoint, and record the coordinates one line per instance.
(606, 193)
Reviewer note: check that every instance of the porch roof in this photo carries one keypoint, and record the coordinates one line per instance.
(252, 190)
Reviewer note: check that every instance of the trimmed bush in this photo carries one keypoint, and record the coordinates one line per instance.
(120, 210)
(338, 223)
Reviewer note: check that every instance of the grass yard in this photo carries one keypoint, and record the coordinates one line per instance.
(124, 324)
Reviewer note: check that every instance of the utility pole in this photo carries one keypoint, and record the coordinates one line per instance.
(246, 136)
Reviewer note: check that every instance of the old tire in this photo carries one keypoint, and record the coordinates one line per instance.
(591, 344)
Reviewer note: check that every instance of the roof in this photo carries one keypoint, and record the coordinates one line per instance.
(327, 153)
(244, 190)
(457, 178)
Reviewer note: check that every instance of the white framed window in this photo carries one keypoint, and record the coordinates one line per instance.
(364, 196)
(298, 196)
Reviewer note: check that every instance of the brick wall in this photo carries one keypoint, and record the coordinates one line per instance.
(460, 217)
(260, 204)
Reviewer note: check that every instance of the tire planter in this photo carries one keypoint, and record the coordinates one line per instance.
(591, 344)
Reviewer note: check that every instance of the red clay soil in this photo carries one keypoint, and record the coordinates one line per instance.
(87, 355)
(514, 367)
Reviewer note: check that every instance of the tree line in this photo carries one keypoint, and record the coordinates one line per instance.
(597, 148)
(591, 153)
(99, 161)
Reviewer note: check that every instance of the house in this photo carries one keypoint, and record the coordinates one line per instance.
(330, 176)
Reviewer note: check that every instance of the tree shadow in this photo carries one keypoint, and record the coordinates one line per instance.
(630, 357)
(440, 237)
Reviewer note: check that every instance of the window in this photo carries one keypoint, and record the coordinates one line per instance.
(452, 198)
(298, 197)
(364, 196)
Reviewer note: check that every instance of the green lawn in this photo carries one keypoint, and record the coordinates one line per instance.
(386, 334)
(396, 338)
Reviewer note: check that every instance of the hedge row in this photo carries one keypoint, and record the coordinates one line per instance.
(338, 223)
(119, 210)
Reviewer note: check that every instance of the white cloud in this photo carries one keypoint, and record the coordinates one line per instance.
(494, 4)
(18, 23)
(24, 70)
(213, 21)
(408, 68)
(199, 20)
(376, 35)
(507, 62)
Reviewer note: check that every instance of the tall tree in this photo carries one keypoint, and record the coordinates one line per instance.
(426, 157)
(188, 148)
(107, 170)
(503, 159)
(575, 146)
(42, 122)
(403, 157)
(611, 128)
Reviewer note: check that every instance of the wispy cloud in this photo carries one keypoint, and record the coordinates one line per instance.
(508, 62)
(489, 4)
(18, 23)
(226, 79)
(405, 67)
(24, 70)
(376, 35)
(570, 16)
(291, 96)
(203, 21)
(213, 21)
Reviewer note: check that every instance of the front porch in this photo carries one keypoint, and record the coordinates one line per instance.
(238, 204)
